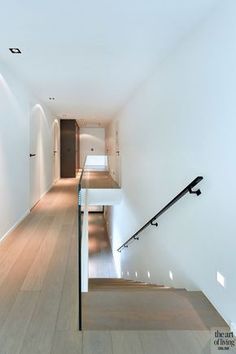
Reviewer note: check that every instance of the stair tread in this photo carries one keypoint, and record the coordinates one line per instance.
(120, 284)
(169, 310)
(135, 289)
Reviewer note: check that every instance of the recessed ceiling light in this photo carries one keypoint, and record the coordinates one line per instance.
(51, 98)
(15, 50)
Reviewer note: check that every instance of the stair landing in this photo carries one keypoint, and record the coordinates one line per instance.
(125, 305)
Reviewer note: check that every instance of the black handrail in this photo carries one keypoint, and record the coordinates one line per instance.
(188, 189)
(80, 253)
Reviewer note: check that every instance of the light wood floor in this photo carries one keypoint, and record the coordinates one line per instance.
(98, 179)
(38, 300)
(101, 262)
(152, 309)
(38, 306)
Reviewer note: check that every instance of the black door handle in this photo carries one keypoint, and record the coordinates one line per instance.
(31, 155)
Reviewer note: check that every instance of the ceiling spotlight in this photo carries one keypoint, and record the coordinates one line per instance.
(51, 98)
(15, 50)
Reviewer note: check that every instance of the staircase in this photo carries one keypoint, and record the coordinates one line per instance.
(120, 304)
(118, 284)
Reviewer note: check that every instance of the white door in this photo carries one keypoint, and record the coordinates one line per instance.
(34, 155)
(56, 152)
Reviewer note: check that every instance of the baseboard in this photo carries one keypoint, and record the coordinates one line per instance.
(42, 195)
(15, 225)
(46, 191)
(25, 214)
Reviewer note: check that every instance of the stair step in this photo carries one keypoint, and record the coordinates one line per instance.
(131, 285)
(134, 289)
(125, 284)
(108, 281)
(149, 310)
(119, 288)
(119, 284)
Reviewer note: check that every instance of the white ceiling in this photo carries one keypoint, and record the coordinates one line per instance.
(91, 55)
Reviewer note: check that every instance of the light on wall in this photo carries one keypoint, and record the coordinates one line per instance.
(15, 50)
(171, 275)
(221, 279)
(233, 327)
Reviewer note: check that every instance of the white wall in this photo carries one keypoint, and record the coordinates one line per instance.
(14, 152)
(91, 138)
(113, 150)
(16, 104)
(181, 124)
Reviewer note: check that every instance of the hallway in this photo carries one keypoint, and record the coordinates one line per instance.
(140, 96)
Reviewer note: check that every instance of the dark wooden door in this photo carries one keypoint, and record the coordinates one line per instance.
(77, 148)
(68, 148)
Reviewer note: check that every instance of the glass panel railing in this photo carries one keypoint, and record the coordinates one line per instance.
(93, 175)
(79, 254)
(81, 222)
(96, 163)
(85, 246)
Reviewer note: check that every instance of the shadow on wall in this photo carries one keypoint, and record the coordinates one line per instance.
(41, 145)
(6, 95)
(13, 153)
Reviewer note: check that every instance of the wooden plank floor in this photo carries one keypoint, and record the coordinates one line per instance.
(38, 291)
(98, 179)
(38, 284)
(101, 262)
(158, 309)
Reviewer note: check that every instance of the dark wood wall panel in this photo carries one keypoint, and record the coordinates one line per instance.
(77, 148)
(69, 148)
